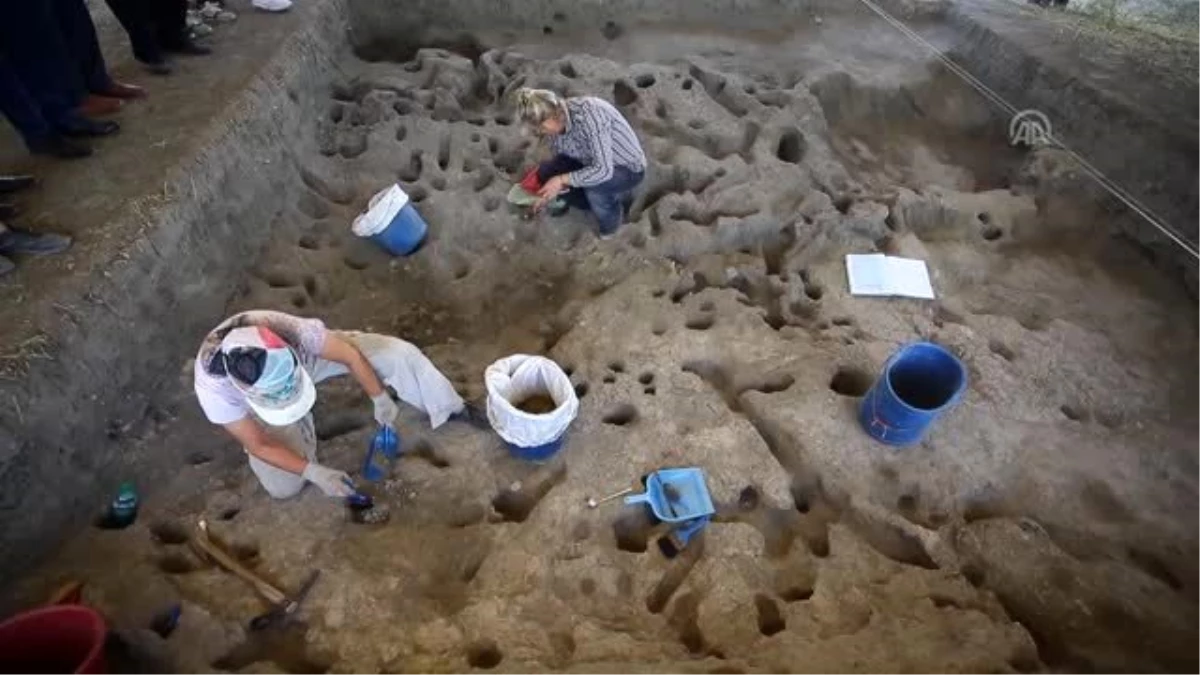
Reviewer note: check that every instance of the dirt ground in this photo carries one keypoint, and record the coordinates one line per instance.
(1049, 522)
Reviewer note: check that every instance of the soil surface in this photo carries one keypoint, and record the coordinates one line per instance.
(1047, 522)
(537, 405)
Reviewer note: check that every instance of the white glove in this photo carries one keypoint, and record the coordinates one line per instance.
(332, 482)
(386, 409)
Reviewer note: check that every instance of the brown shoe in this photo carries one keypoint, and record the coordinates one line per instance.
(122, 90)
(98, 106)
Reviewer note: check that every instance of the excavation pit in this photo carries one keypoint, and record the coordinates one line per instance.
(776, 143)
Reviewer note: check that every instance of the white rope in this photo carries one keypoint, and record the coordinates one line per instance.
(1105, 182)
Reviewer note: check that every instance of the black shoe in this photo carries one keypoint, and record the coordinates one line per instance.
(14, 183)
(6, 266)
(8, 211)
(20, 241)
(81, 127)
(158, 68)
(473, 414)
(190, 48)
(60, 147)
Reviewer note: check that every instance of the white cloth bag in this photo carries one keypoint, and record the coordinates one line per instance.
(515, 378)
(382, 208)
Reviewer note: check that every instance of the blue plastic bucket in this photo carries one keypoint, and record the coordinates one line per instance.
(536, 453)
(919, 382)
(405, 234)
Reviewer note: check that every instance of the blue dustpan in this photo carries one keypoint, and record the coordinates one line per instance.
(385, 442)
(691, 499)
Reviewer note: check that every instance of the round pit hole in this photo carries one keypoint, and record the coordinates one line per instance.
(170, 533)
(848, 381)
(620, 415)
(484, 654)
(176, 563)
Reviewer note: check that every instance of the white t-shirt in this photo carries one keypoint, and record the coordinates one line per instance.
(222, 402)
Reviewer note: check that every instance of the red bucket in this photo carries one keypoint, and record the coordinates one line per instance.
(57, 639)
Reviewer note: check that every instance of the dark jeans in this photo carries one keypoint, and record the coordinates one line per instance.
(51, 46)
(153, 26)
(22, 110)
(606, 201)
(79, 35)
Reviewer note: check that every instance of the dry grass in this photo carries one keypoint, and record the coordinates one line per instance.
(1109, 27)
(15, 360)
(1172, 19)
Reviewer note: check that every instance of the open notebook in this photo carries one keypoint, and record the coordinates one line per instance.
(879, 274)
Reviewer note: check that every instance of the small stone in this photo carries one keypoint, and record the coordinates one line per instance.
(210, 10)
(226, 17)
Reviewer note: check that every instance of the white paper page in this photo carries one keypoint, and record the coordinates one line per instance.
(909, 278)
(867, 274)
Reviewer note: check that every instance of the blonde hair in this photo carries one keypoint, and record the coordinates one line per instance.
(535, 106)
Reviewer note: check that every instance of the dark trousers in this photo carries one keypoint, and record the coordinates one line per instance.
(51, 45)
(79, 34)
(49, 61)
(606, 201)
(22, 109)
(154, 26)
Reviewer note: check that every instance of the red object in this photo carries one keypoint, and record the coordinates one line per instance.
(56, 639)
(98, 106)
(530, 182)
(122, 90)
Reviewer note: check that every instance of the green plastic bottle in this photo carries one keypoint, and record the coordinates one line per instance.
(123, 510)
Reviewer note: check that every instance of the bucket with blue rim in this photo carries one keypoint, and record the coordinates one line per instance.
(392, 222)
(404, 234)
(531, 404)
(919, 383)
(537, 453)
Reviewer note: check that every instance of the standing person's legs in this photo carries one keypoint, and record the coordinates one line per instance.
(36, 123)
(21, 109)
(170, 23)
(608, 198)
(136, 18)
(33, 46)
(401, 366)
(79, 35)
(300, 438)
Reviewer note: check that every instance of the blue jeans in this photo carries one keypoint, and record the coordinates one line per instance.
(606, 201)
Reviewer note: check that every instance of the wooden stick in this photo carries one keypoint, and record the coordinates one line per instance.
(269, 592)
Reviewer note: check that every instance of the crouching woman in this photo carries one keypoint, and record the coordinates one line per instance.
(597, 161)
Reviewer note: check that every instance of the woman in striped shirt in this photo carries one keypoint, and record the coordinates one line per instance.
(598, 160)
